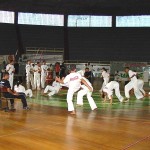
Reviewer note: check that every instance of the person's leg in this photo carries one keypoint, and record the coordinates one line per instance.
(32, 81)
(35, 81)
(28, 80)
(43, 79)
(80, 95)
(140, 86)
(12, 97)
(29, 92)
(38, 82)
(117, 92)
(23, 99)
(52, 92)
(137, 92)
(11, 81)
(128, 87)
(91, 101)
(69, 100)
(48, 88)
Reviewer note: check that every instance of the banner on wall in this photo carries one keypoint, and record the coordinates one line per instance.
(122, 76)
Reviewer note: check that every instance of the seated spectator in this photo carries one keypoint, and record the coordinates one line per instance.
(11, 94)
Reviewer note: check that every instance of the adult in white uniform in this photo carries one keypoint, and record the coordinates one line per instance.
(132, 84)
(21, 89)
(140, 86)
(105, 77)
(44, 68)
(74, 83)
(29, 75)
(108, 90)
(88, 93)
(54, 89)
(10, 69)
(37, 78)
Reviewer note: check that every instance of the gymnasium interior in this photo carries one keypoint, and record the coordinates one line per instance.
(87, 34)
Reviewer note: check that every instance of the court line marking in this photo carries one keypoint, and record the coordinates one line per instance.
(136, 142)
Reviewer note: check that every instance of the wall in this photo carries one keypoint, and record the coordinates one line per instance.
(98, 44)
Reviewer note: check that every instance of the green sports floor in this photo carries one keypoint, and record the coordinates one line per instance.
(59, 100)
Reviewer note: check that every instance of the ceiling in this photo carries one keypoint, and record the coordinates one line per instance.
(99, 7)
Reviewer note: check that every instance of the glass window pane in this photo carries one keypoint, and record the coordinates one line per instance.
(89, 21)
(7, 17)
(133, 21)
(40, 19)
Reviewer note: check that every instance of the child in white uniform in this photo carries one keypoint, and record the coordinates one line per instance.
(44, 68)
(21, 90)
(108, 91)
(37, 79)
(54, 89)
(10, 69)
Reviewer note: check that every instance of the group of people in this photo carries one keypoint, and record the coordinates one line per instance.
(134, 84)
(75, 82)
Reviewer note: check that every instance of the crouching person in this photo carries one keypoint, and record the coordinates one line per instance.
(11, 94)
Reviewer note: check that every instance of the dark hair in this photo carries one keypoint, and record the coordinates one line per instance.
(126, 67)
(72, 67)
(104, 69)
(5, 73)
(103, 94)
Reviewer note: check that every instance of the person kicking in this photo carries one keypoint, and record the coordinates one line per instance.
(108, 91)
(73, 80)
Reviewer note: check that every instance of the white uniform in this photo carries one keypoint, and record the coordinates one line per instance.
(105, 77)
(113, 85)
(29, 76)
(37, 78)
(85, 91)
(74, 83)
(10, 69)
(140, 85)
(133, 84)
(21, 89)
(56, 86)
(43, 75)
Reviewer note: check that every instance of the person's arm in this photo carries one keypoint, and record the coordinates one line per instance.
(85, 83)
(11, 92)
(59, 80)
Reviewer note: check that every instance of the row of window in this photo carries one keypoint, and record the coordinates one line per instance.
(75, 20)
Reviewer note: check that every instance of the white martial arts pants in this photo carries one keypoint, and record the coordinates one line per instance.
(70, 94)
(117, 92)
(80, 95)
(43, 80)
(37, 80)
(53, 90)
(140, 86)
(29, 92)
(134, 85)
(11, 80)
(29, 79)
(106, 80)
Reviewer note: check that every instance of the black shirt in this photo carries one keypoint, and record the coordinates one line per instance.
(5, 83)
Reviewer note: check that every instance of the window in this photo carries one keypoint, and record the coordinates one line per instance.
(89, 21)
(40, 19)
(133, 21)
(7, 17)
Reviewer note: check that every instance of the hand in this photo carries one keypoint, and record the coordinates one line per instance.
(16, 94)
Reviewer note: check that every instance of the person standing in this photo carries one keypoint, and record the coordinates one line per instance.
(29, 75)
(37, 73)
(44, 68)
(10, 69)
(73, 80)
(105, 76)
(132, 84)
